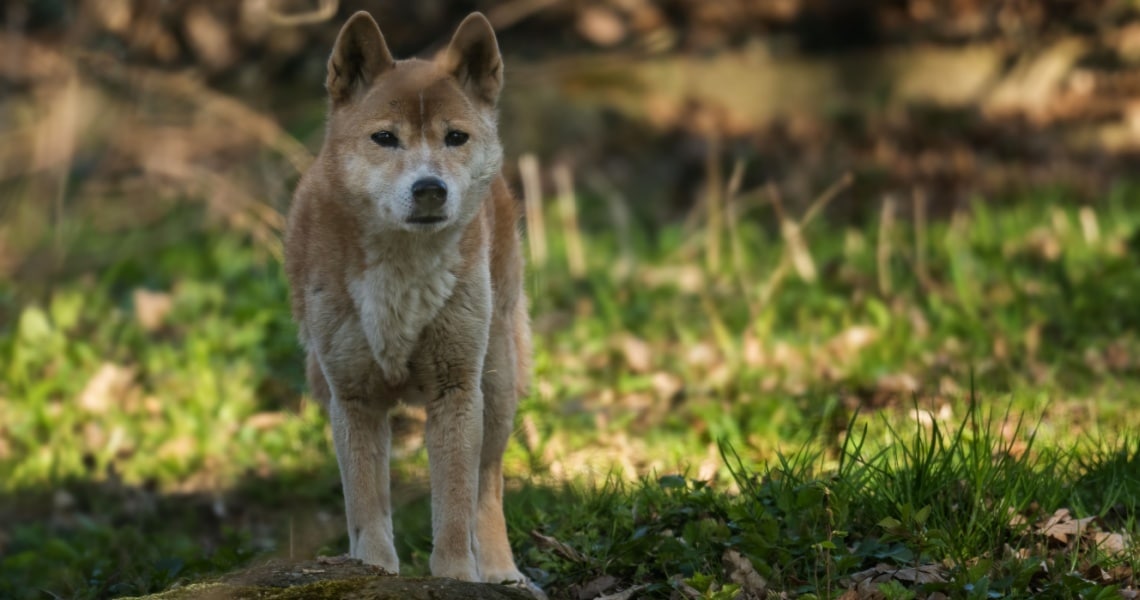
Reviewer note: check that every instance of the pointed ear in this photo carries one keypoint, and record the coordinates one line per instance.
(473, 59)
(360, 54)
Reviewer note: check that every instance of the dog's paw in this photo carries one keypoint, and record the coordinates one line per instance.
(376, 548)
(463, 569)
(529, 586)
(517, 580)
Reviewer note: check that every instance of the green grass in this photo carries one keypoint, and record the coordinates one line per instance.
(679, 414)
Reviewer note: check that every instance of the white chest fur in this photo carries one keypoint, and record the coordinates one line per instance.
(395, 300)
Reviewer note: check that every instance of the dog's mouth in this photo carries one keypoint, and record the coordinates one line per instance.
(426, 219)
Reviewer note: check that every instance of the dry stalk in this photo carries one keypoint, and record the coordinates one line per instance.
(505, 14)
(568, 211)
(620, 215)
(1090, 228)
(532, 199)
(922, 270)
(713, 205)
(883, 249)
(793, 239)
(776, 278)
(237, 206)
(325, 10)
(732, 209)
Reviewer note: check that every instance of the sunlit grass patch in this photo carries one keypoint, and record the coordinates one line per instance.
(959, 511)
(932, 420)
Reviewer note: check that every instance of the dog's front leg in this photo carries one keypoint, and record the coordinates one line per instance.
(358, 414)
(362, 434)
(454, 434)
(449, 366)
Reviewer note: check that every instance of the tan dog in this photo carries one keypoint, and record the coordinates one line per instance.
(403, 258)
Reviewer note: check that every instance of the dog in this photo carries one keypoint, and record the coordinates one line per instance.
(403, 258)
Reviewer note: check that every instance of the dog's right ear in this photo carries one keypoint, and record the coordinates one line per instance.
(360, 54)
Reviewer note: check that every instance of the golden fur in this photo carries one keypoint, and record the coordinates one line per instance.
(395, 305)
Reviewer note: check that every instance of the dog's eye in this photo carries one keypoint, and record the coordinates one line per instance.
(455, 138)
(386, 139)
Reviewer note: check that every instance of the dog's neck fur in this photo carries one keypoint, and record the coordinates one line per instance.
(407, 279)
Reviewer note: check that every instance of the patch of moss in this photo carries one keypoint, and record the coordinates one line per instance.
(325, 581)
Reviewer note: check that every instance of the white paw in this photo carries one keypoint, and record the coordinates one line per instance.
(377, 550)
(463, 569)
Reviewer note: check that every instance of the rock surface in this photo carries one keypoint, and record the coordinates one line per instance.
(335, 578)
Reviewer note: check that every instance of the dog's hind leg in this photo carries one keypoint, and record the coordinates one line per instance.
(499, 401)
(501, 389)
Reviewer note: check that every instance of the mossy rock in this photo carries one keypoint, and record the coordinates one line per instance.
(336, 578)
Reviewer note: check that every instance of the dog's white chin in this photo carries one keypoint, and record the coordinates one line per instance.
(426, 226)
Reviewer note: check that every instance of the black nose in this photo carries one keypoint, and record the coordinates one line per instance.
(430, 193)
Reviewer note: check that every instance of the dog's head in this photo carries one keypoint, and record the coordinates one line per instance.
(414, 142)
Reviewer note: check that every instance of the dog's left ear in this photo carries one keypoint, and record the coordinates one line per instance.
(473, 59)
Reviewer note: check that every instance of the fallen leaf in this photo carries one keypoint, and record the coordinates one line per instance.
(1112, 543)
(743, 573)
(624, 594)
(546, 542)
(151, 308)
(601, 26)
(848, 343)
(684, 589)
(110, 383)
(637, 352)
(921, 574)
(866, 582)
(596, 587)
(265, 420)
(1060, 525)
(702, 354)
(898, 383)
(667, 385)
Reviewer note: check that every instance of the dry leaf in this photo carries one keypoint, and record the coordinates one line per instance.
(265, 420)
(867, 581)
(601, 26)
(1112, 543)
(685, 590)
(546, 542)
(177, 448)
(847, 343)
(702, 354)
(667, 385)
(1060, 525)
(110, 383)
(743, 573)
(151, 308)
(898, 383)
(595, 588)
(922, 574)
(624, 594)
(637, 352)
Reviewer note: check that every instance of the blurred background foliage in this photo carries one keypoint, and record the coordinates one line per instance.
(747, 221)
